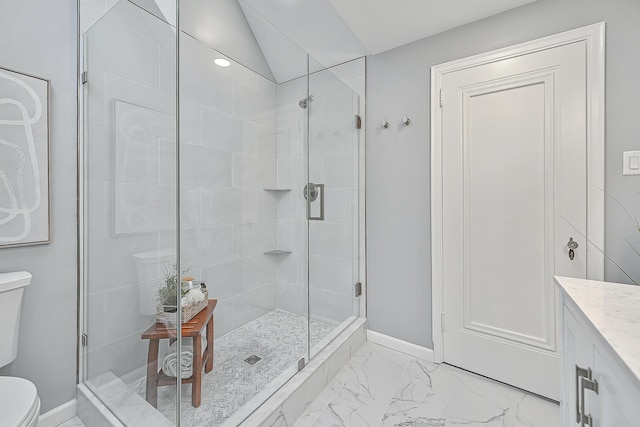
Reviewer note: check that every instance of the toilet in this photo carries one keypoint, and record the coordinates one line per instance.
(19, 401)
(151, 267)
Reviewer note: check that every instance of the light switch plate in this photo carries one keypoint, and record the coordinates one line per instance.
(631, 163)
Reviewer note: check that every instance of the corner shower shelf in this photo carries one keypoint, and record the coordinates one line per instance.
(277, 252)
(277, 189)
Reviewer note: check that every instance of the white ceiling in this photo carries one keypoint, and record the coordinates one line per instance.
(314, 25)
(335, 31)
(273, 36)
(286, 60)
(381, 25)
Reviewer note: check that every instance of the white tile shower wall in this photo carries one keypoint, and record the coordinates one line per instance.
(333, 246)
(228, 121)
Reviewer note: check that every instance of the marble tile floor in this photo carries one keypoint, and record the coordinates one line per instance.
(279, 338)
(73, 422)
(384, 388)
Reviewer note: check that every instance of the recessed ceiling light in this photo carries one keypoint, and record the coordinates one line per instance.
(221, 62)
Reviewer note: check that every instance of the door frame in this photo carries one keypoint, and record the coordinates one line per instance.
(594, 36)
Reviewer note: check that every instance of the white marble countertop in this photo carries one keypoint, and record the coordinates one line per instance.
(614, 311)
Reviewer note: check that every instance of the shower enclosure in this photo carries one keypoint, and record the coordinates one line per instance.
(240, 172)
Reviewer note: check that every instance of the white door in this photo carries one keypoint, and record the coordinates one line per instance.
(514, 144)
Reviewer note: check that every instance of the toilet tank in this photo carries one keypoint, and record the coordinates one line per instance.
(11, 289)
(151, 267)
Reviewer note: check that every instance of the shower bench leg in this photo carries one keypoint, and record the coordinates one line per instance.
(202, 358)
(152, 373)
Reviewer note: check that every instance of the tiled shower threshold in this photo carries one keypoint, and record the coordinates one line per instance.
(234, 389)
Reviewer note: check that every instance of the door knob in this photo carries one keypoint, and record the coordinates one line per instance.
(572, 244)
(311, 193)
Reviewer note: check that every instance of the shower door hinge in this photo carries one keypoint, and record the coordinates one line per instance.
(301, 364)
(358, 289)
(85, 77)
(358, 122)
(442, 322)
(85, 340)
(441, 102)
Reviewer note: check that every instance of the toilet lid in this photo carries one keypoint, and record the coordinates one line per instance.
(18, 397)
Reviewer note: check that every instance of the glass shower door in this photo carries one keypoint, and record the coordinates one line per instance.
(280, 260)
(241, 139)
(230, 203)
(129, 208)
(332, 206)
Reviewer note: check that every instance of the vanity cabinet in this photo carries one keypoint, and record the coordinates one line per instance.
(600, 389)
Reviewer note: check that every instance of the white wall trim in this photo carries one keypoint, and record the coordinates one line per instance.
(58, 415)
(594, 36)
(414, 350)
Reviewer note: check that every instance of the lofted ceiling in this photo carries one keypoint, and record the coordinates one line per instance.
(335, 31)
(312, 24)
(381, 25)
(272, 37)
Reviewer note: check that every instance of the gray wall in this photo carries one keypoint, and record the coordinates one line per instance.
(39, 37)
(398, 159)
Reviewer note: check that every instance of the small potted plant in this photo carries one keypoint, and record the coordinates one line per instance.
(168, 290)
(192, 298)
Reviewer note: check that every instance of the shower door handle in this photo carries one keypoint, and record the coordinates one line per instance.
(311, 193)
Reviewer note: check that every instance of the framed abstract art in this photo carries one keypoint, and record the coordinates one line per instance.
(24, 159)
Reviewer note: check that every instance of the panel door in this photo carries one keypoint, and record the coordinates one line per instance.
(514, 193)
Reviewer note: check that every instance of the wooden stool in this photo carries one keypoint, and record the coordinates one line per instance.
(193, 328)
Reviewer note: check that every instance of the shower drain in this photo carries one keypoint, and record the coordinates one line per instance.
(252, 360)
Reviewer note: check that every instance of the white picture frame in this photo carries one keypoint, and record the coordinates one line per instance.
(25, 212)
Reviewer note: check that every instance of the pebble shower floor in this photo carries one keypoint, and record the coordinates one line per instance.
(279, 338)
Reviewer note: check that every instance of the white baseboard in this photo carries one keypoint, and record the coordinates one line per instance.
(58, 415)
(414, 350)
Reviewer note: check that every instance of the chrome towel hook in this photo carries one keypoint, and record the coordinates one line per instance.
(406, 120)
(385, 123)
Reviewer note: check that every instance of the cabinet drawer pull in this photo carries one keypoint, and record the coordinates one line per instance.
(580, 373)
(584, 381)
(587, 384)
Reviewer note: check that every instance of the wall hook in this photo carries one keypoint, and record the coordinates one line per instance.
(406, 120)
(385, 123)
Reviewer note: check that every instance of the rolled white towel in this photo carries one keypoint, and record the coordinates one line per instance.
(194, 295)
(170, 361)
